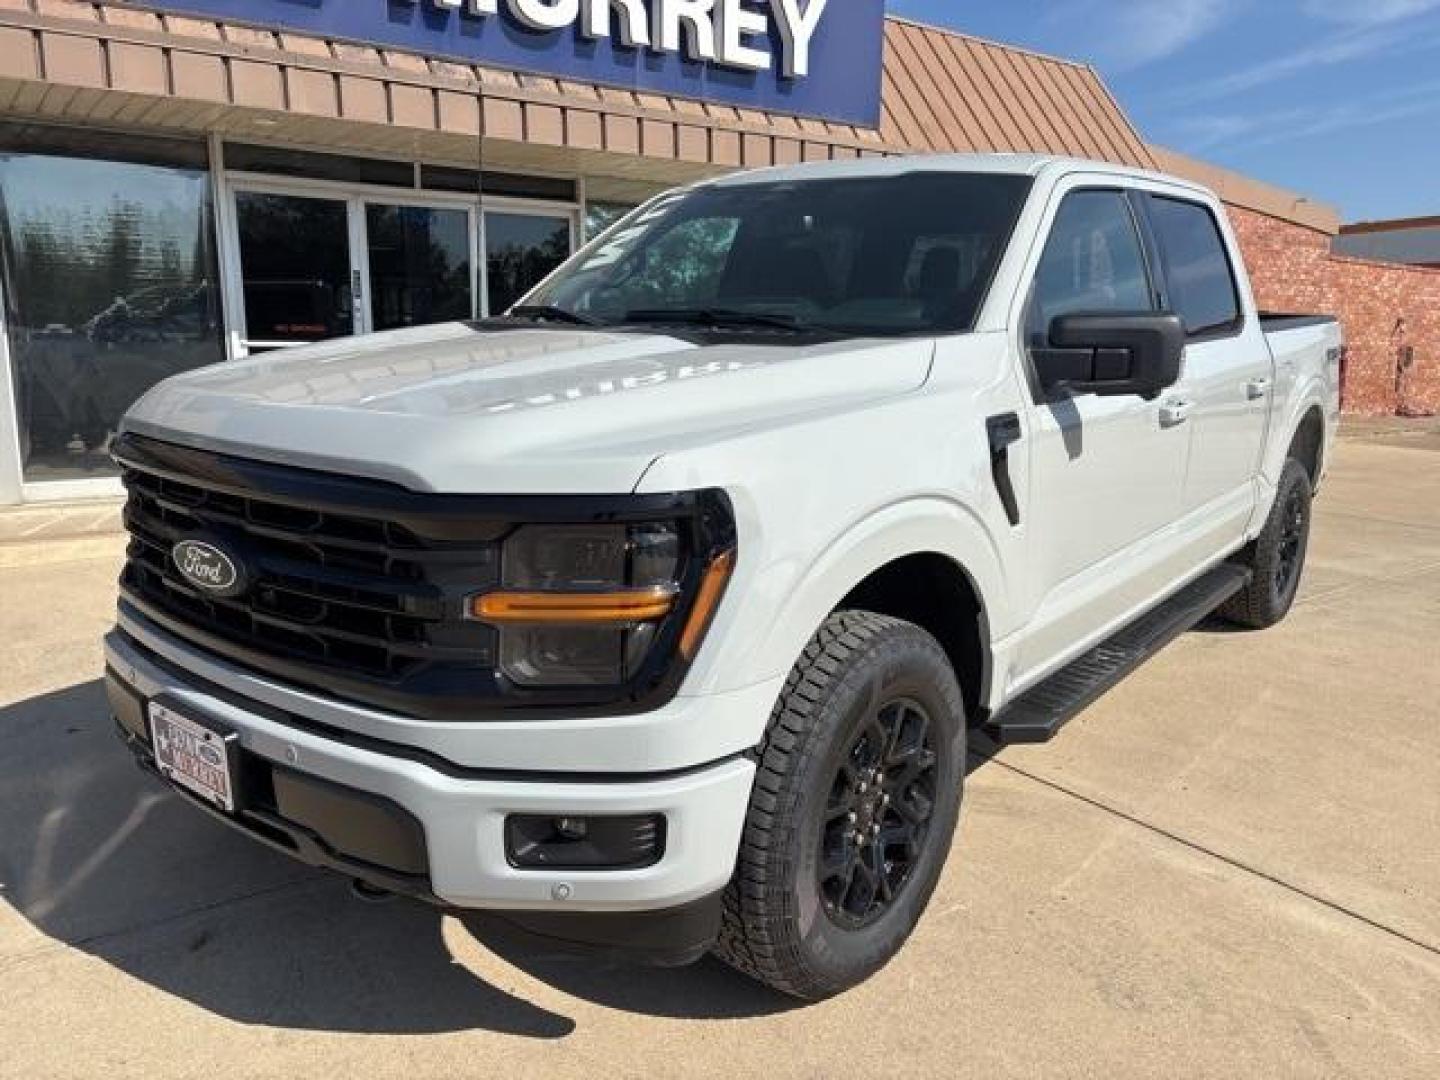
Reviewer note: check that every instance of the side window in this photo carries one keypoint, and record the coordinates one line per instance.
(1093, 262)
(1202, 282)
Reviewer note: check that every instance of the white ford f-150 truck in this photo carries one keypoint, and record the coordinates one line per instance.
(656, 614)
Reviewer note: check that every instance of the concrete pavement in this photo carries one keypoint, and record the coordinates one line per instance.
(1228, 867)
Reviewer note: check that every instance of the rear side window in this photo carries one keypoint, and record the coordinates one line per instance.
(1202, 283)
(1093, 262)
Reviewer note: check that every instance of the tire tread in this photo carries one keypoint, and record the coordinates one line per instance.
(756, 908)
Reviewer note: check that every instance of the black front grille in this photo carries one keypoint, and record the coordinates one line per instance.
(354, 586)
(350, 593)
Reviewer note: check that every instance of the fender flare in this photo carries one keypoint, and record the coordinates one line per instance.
(1308, 395)
(925, 525)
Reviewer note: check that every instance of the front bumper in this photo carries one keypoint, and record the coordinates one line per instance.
(461, 811)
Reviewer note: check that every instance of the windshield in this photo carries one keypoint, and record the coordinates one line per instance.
(891, 255)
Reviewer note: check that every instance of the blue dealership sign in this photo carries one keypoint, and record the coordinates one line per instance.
(819, 58)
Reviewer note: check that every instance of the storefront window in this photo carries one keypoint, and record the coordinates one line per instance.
(521, 251)
(109, 281)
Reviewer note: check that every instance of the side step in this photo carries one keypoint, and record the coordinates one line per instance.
(1039, 713)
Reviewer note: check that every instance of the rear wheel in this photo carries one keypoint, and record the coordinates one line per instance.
(1277, 557)
(853, 811)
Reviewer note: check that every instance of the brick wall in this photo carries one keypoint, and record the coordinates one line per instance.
(1391, 313)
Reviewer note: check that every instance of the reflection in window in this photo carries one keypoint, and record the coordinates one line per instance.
(684, 268)
(521, 251)
(109, 278)
(419, 265)
(1093, 262)
(1202, 287)
(295, 263)
(599, 216)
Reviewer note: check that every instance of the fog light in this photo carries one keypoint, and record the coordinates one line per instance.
(571, 829)
(569, 842)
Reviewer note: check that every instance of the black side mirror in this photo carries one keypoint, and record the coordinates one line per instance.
(1113, 354)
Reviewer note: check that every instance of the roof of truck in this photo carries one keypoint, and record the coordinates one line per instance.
(1011, 164)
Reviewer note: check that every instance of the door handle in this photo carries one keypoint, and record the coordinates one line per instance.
(1176, 412)
(1256, 389)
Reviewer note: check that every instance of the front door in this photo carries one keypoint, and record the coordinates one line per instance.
(298, 282)
(421, 264)
(1106, 475)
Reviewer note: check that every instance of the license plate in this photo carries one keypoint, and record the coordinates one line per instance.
(192, 755)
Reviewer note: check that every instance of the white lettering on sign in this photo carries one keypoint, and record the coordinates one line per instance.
(546, 14)
(693, 16)
(796, 20)
(733, 33)
(634, 21)
(735, 23)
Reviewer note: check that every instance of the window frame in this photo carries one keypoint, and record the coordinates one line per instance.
(1225, 331)
(1149, 255)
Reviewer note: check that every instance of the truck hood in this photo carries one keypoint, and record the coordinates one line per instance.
(457, 409)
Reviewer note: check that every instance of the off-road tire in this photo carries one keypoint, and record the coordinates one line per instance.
(777, 926)
(1285, 540)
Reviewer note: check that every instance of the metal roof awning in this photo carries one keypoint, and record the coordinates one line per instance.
(113, 65)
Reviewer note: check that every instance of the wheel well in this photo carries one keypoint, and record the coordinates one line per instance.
(1309, 443)
(935, 593)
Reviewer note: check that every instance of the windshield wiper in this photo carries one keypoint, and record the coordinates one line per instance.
(551, 313)
(718, 317)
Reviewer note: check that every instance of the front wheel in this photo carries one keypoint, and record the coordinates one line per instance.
(854, 808)
(1277, 557)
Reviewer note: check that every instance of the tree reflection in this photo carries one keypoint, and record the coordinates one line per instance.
(522, 250)
(109, 280)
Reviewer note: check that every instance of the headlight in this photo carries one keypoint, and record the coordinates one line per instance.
(582, 605)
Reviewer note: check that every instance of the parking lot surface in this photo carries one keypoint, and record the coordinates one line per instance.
(1228, 867)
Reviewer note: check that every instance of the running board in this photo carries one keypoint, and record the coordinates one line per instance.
(1039, 713)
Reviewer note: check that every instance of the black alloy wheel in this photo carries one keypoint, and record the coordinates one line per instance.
(881, 802)
(1294, 527)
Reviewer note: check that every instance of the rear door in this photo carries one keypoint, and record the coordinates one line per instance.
(1106, 474)
(1227, 386)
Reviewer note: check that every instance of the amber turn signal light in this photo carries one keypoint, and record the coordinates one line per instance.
(570, 608)
(712, 588)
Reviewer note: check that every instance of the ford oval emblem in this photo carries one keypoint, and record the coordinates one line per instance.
(208, 568)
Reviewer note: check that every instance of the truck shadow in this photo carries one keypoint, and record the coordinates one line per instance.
(99, 857)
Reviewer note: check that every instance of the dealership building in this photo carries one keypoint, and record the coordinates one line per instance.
(199, 181)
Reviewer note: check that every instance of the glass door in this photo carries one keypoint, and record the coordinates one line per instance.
(310, 261)
(521, 249)
(421, 264)
(296, 276)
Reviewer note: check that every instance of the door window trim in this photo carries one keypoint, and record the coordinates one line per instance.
(1224, 331)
